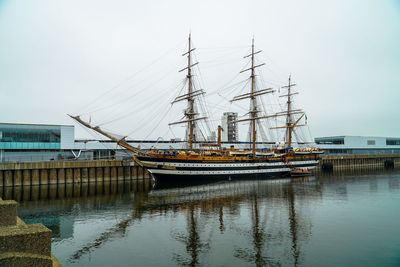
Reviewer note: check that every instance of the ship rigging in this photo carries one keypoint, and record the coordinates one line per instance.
(212, 160)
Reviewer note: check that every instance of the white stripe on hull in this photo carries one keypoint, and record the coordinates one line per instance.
(216, 172)
(233, 165)
(308, 168)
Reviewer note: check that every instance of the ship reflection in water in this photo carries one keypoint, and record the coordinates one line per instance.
(328, 220)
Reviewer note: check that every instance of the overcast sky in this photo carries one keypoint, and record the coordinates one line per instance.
(59, 57)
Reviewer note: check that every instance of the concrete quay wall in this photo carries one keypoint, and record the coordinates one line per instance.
(69, 172)
(347, 162)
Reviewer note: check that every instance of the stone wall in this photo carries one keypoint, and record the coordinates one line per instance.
(346, 162)
(69, 172)
(23, 244)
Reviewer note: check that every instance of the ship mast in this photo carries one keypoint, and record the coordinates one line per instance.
(253, 105)
(252, 95)
(289, 128)
(288, 113)
(253, 111)
(190, 112)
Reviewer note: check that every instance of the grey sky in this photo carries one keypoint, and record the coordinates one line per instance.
(57, 56)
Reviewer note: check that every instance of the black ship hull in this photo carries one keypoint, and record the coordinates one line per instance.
(180, 170)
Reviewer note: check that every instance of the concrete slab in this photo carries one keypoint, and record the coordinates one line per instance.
(44, 177)
(84, 175)
(35, 177)
(8, 178)
(17, 178)
(8, 213)
(53, 176)
(25, 260)
(26, 177)
(26, 238)
(61, 176)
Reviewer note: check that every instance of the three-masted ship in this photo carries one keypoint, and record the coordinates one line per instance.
(212, 161)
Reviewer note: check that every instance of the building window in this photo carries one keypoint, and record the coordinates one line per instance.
(393, 142)
(371, 142)
(14, 135)
(329, 141)
(338, 151)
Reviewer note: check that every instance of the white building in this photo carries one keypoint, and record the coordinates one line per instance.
(229, 127)
(358, 145)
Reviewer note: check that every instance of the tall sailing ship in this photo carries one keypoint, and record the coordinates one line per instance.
(213, 161)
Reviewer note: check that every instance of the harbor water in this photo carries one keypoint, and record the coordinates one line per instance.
(331, 219)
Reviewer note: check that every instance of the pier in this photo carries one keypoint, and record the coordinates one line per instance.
(347, 162)
(69, 172)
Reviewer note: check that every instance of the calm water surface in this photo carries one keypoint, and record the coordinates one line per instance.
(328, 220)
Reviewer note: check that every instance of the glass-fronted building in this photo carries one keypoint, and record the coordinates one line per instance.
(32, 142)
(30, 136)
(41, 142)
(358, 145)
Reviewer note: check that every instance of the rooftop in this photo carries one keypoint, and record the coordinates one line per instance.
(34, 124)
